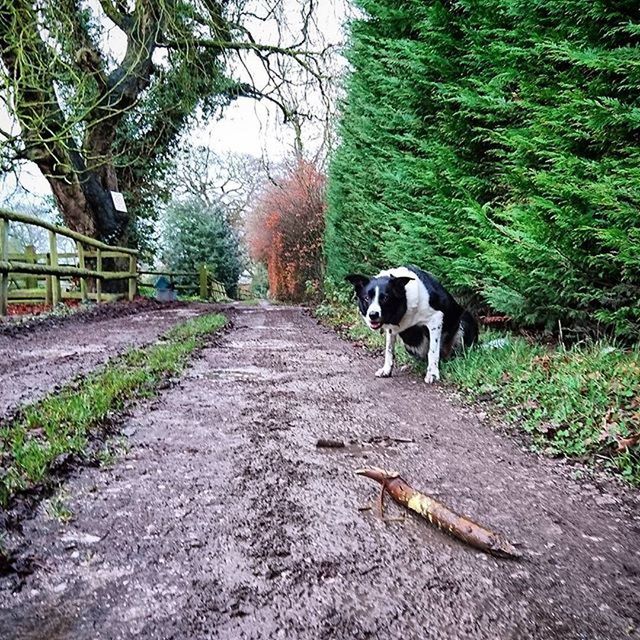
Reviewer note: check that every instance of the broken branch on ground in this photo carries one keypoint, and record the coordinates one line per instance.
(438, 514)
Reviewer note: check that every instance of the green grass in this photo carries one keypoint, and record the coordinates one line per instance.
(582, 403)
(63, 423)
(57, 509)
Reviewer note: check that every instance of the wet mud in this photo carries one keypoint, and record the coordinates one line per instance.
(224, 520)
(40, 356)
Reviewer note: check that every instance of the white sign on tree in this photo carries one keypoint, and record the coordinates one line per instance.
(118, 201)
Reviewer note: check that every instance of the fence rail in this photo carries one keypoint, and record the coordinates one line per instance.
(87, 266)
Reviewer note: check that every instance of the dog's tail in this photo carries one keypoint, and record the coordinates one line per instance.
(469, 328)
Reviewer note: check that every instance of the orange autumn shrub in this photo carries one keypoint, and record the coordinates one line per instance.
(285, 232)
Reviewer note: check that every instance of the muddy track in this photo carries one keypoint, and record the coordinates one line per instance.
(224, 521)
(38, 357)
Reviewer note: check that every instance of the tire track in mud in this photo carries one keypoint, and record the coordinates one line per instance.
(38, 361)
(224, 521)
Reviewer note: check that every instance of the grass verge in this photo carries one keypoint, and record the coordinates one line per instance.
(33, 442)
(582, 403)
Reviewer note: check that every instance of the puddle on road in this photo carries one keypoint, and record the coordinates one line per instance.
(263, 345)
(62, 352)
(165, 314)
(240, 374)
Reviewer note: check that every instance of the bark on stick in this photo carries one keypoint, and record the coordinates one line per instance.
(438, 514)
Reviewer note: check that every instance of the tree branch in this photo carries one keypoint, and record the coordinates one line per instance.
(117, 14)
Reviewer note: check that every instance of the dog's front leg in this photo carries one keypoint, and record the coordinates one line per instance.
(434, 324)
(385, 372)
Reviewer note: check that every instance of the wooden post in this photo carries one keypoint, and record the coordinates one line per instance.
(82, 264)
(53, 261)
(133, 277)
(99, 280)
(30, 257)
(48, 288)
(4, 255)
(204, 281)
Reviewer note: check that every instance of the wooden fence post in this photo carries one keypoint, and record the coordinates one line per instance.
(204, 281)
(133, 276)
(53, 261)
(99, 280)
(4, 257)
(30, 257)
(82, 264)
(48, 288)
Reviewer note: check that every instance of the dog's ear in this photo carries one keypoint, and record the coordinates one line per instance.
(357, 280)
(398, 284)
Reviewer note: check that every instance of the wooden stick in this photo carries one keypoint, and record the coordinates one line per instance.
(329, 444)
(438, 514)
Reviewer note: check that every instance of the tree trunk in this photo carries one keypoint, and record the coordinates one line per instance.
(86, 204)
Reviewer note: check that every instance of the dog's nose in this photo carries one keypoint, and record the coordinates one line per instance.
(374, 315)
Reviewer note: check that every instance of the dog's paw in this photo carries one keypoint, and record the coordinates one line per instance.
(383, 373)
(431, 377)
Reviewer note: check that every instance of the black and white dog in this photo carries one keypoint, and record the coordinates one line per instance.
(412, 304)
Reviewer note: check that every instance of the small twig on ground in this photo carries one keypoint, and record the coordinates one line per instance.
(401, 439)
(330, 444)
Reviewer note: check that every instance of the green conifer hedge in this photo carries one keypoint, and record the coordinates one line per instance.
(496, 143)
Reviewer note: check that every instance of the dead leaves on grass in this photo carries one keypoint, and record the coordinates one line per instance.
(611, 432)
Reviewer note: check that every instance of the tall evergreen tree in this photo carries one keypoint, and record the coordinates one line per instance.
(195, 235)
(496, 144)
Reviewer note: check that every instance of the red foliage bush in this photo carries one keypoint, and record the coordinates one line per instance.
(35, 309)
(285, 232)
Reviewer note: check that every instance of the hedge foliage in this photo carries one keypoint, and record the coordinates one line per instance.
(285, 230)
(496, 144)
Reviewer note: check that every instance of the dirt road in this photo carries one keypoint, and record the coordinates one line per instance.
(224, 521)
(34, 362)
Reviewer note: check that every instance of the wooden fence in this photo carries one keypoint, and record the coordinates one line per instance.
(207, 286)
(53, 267)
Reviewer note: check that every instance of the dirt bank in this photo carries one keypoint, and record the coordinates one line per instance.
(37, 358)
(224, 521)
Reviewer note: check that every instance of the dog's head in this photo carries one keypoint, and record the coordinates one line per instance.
(382, 300)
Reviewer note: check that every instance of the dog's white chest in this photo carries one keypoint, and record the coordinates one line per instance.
(419, 311)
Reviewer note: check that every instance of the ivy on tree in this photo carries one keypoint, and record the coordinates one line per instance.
(96, 119)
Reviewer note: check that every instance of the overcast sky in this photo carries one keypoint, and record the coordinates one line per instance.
(246, 126)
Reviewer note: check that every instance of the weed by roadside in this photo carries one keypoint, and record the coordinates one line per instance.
(57, 509)
(63, 423)
(111, 451)
(582, 402)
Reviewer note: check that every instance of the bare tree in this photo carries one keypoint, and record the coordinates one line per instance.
(228, 180)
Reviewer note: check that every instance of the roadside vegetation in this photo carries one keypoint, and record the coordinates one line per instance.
(494, 144)
(44, 434)
(285, 230)
(581, 402)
